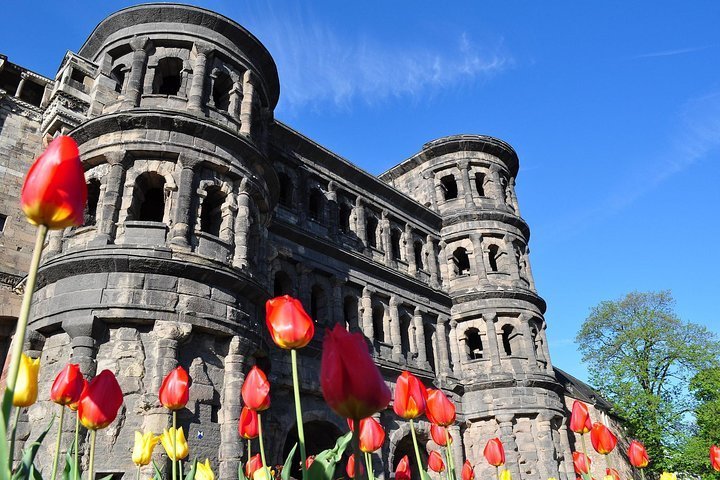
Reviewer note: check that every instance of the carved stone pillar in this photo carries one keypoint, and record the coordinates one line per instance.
(457, 449)
(513, 197)
(243, 219)
(367, 319)
(332, 209)
(528, 270)
(395, 335)
(336, 311)
(186, 192)
(493, 186)
(83, 331)
(386, 240)
(443, 261)
(19, 89)
(429, 178)
(54, 243)
(546, 350)
(544, 446)
(420, 338)
(235, 100)
(140, 46)
(247, 105)
(567, 472)
(197, 86)
(465, 180)
(480, 268)
(492, 339)
(507, 437)
(528, 343)
(442, 346)
(360, 222)
(432, 260)
(119, 161)
(454, 348)
(410, 250)
(512, 263)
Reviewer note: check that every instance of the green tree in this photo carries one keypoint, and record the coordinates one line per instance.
(641, 357)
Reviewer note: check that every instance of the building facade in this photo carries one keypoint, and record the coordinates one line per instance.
(201, 206)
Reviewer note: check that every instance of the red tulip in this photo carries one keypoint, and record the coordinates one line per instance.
(580, 418)
(248, 424)
(68, 385)
(74, 406)
(582, 463)
(289, 325)
(402, 472)
(438, 435)
(467, 471)
(54, 192)
(638, 455)
(715, 457)
(372, 435)
(440, 410)
(603, 441)
(410, 396)
(350, 381)
(309, 461)
(494, 452)
(100, 403)
(350, 467)
(435, 462)
(256, 390)
(252, 465)
(611, 472)
(175, 391)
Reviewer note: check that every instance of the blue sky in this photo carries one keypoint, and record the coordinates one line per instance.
(613, 108)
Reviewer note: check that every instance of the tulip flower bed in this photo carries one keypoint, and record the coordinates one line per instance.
(54, 197)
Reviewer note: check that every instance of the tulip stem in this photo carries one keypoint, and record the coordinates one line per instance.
(249, 449)
(57, 444)
(91, 468)
(368, 465)
(298, 412)
(77, 431)
(19, 337)
(448, 454)
(137, 475)
(12, 437)
(497, 472)
(262, 448)
(357, 465)
(174, 445)
(415, 444)
(642, 473)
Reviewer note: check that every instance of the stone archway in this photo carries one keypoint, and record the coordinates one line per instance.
(319, 435)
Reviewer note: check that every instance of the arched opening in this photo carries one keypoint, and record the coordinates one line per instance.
(493, 255)
(344, 213)
(211, 214)
(286, 190)
(418, 251)
(316, 204)
(168, 74)
(461, 262)
(405, 322)
(479, 183)
(371, 227)
(319, 436)
(473, 344)
(378, 318)
(318, 304)
(93, 197)
(508, 332)
(282, 284)
(405, 447)
(350, 313)
(222, 86)
(148, 202)
(429, 331)
(395, 236)
(449, 187)
(118, 74)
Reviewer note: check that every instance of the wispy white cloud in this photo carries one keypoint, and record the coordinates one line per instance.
(671, 52)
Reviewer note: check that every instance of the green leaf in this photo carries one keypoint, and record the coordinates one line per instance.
(241, 471)
(107, 477)
(158, 473)
(323, 468)
(68, 472)
(26, 468)
(425, 474)
(285, 474)
(191, 473)
(4, 454)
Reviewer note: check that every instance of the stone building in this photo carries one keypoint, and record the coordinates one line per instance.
(201, 206)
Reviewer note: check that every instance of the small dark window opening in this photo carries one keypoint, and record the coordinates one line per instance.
(315, 204)
(461, 261)
(405, 322)
(93, 196)
(507, 332)
(118, 74)
(344, 214)
(395, 235)
(211, 214)
(168, 76)
(371, 226)
(222, 86)
(77, 75)
(318, 304)
(282, 284)
(449, 186)
(378, 317)
(493, 254)
(479, 182)
(3, 219)
(286, 190)
(148, 198)
(429, 331)
(418, 249)
(473, 343)
(32, 93)
(350, 313)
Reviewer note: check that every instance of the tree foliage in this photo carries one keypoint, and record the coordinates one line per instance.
(641, 357)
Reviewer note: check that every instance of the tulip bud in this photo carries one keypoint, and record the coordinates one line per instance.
(580, 418)
(410, 396)
(638, 455)
(611, 474)
(372, 435)
(143, 448)
(256, 390)
(440, 410)
(248, 424)
(350, 467)
(603, 440)
(494, 452)
(440, 435)
(668, 476)
(68, 385)
(203, 471)
(99, 404)
(715, 457)
(467, 471)
(402, 471)
(581, 463)
(181, 449)
(26, 387)
(175, 391)
(435, 462)
(252, 465)
(289, 325)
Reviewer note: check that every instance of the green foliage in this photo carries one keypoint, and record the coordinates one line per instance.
(285, 473)
(323, 467)
(68, 472)
(641, 357)
(27, 469)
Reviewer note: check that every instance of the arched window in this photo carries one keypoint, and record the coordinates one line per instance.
(211, 215)
(371, 226)
(222, 86)
(168, 76)
(316, 204)
(405, 322)
(282, 284)
(461, 262)
(378, 318)
(418, 250)
(93, 197)
(429, 331)
(449, 186)
(344, 213)
(508, 332)
(118, 74)
(320, 435)
(148, 202)
(473, 344)
(350, 313)
(395, 235)
(286, 190)
(318, 304)
(493, 255)
(479, 182)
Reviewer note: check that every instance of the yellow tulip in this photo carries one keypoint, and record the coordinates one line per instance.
(668, 476)
(552, 478)
(505, 475)
(608, 477)
(181, 446)
(203, 471)
(262, 474)
(26, 388)
(143, 448)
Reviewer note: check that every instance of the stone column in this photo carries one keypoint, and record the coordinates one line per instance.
(507, 437)
(528, 343)
(235, 100)
(19, 89)
(332, 209)
(544, 445)
(513, 197)
(119, 161)
(54, 243)
(410, 250)
(479, 254)
(465, 180)
(367, 320)
(243, 219)
(429, 178)
(567, 471)
(439, 192)
(360, 222)
(386, 240)
(546, 350)
(140, 46)
(443, 263)
(420, 338)
(454, 348)
(82, 332)
(513, 267)
(395, 335)
(186, 192)
(457, 449)
(494, 184)
(493, 349)
(442, 346)
(337, 310)
(432, 262)
(247, 105)
(528, 270)
(304, 293)
(197, 86)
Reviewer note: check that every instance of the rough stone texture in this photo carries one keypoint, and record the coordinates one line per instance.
(202, 206)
